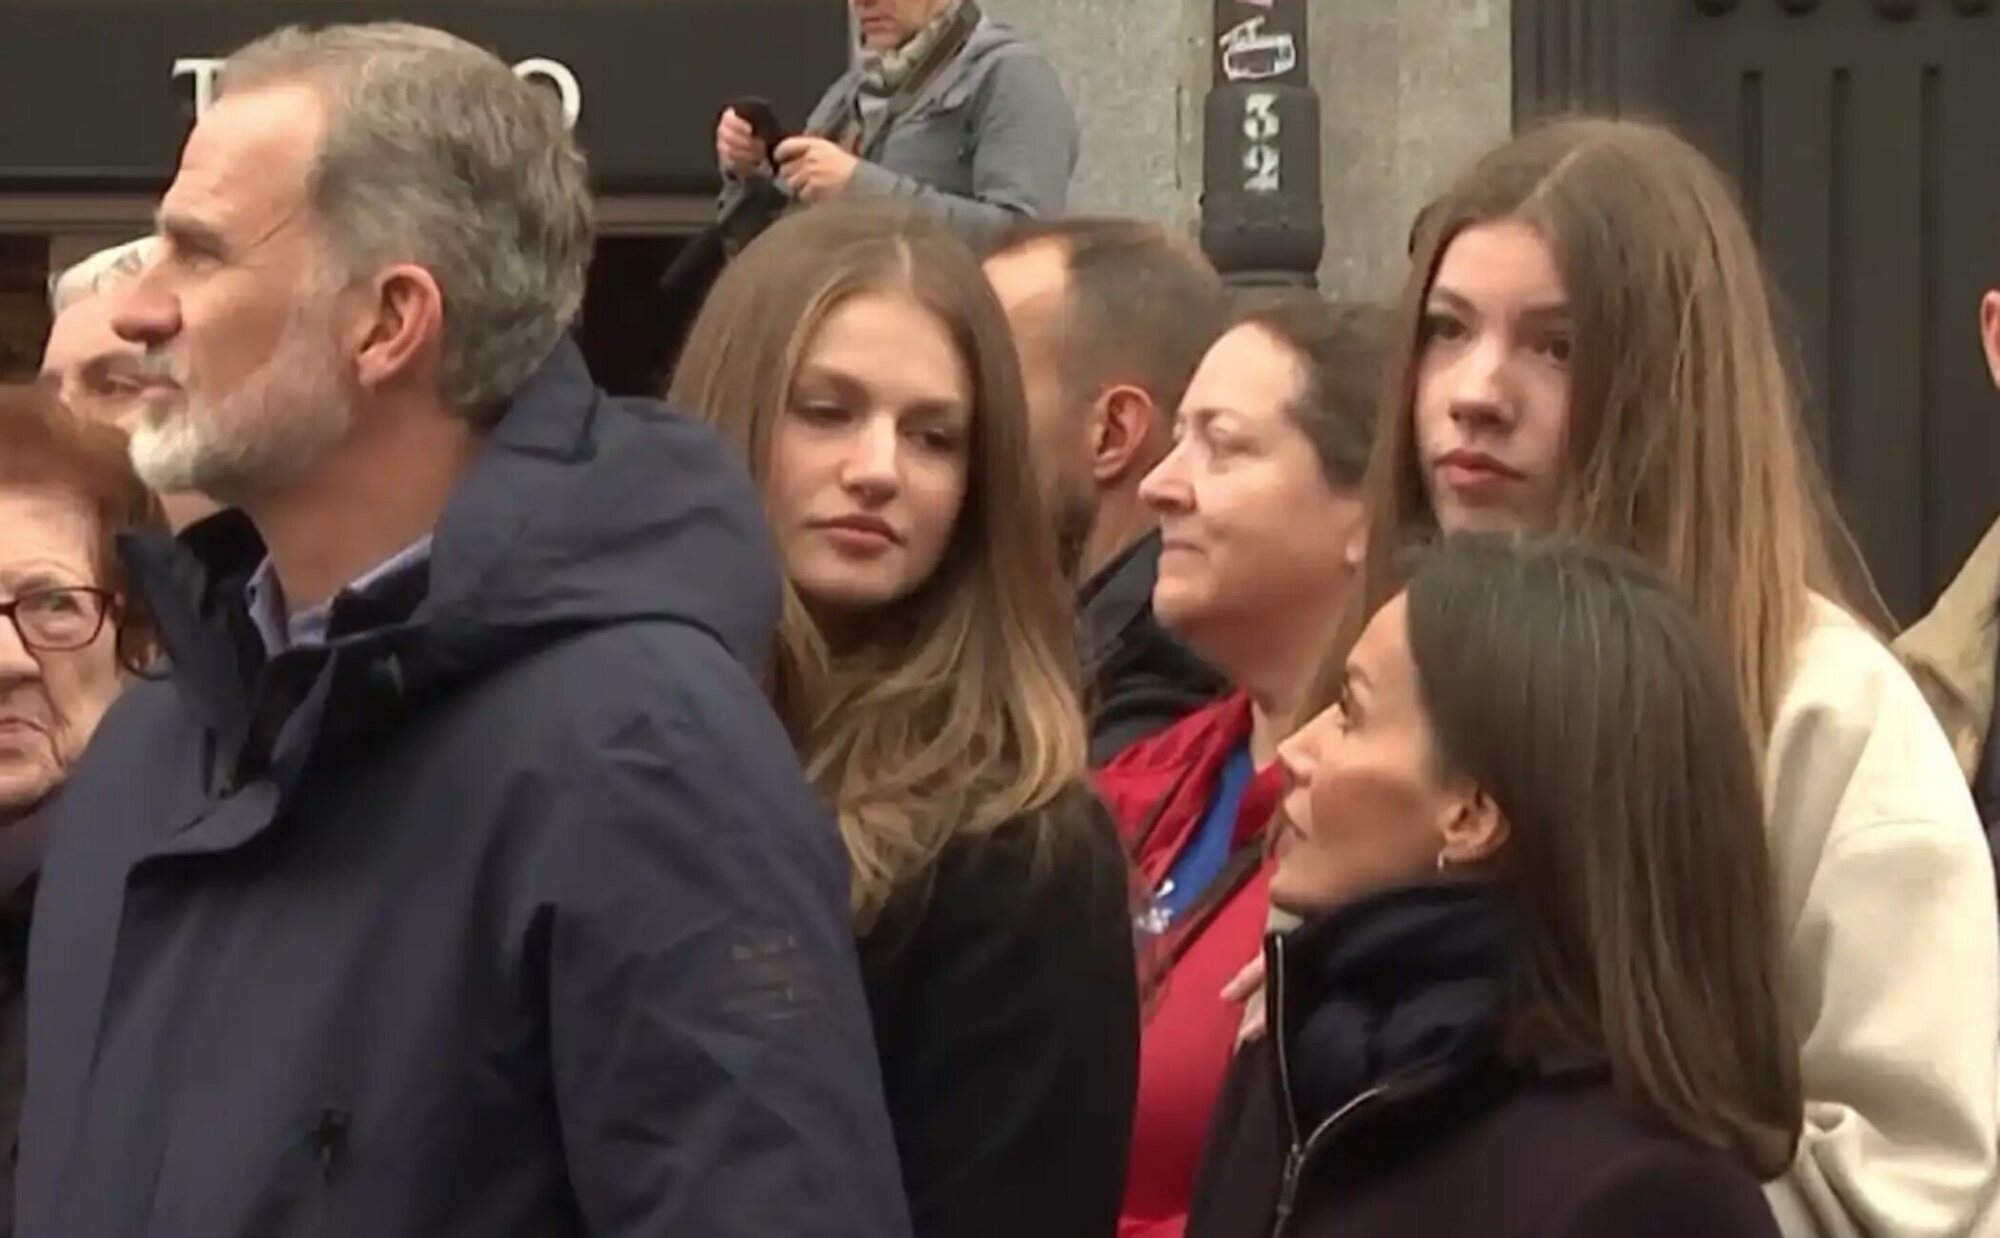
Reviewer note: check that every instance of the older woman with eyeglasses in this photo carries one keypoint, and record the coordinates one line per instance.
(68, 640)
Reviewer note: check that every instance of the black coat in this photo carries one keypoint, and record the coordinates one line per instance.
(1007, 1011)
(21, 846)
(1140, 678)
(507, 913)
(1421, 1130)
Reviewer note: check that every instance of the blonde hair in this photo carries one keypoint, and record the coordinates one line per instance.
(1684, 442)
(958, 709)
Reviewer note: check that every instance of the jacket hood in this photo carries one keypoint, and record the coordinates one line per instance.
(989, 38)
(586, 511)
(581, 511)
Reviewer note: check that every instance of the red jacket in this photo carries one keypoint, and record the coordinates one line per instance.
(1159, 790)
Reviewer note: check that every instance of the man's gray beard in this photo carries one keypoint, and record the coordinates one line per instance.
(284, 417)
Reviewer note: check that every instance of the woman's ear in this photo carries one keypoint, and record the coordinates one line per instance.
(1474, 829)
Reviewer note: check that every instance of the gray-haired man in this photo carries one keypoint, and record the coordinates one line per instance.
(459, 882)
(90, 367)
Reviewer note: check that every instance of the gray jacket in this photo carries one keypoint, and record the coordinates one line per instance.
(991, 140)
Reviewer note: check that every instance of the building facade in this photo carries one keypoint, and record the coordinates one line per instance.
(1858, 132)
(1409, 90)
(101, 95)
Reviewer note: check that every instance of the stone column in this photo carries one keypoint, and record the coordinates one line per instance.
(1263, 221)
(1136, 72)
(1412, 92)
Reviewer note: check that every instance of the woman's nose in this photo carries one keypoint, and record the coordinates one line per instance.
(1477, 392)
(1299, 753)
(1165, 489)
(873, 464)
(17, 664)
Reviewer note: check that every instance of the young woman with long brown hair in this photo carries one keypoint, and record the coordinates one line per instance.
(1536, 990)
(1586, 342)
(925, 667)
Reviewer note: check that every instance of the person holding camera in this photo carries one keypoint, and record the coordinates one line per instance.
(943, 107)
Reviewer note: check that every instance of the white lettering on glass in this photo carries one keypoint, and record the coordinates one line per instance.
(556, 74)
(204, 70)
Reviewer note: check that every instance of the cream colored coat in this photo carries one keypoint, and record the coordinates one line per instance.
(1892, 949)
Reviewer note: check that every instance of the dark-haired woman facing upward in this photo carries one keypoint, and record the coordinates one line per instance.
(1535, 992)
(1586, 343)
(857, 357)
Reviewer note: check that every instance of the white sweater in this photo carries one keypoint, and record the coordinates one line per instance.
(1892, 951)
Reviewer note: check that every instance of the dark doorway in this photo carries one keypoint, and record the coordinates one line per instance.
(630, 332)
(24, 306)
(1860, 133)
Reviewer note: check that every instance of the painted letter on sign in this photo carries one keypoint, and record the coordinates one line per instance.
(1251, 55)
(557, 74)
(1261, 159)
(205, 69)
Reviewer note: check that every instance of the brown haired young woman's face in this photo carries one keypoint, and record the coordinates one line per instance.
(1493, 381)
(869, 458)
(1250, 531)
(1364, 807)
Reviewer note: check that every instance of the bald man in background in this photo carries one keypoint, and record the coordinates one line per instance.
(89, 367)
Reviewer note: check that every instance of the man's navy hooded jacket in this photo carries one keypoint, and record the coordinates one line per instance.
(506, 912)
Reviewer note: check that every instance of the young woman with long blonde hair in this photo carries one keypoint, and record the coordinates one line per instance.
(925, 667)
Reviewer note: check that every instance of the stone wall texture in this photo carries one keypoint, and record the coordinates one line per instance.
(1412, 90)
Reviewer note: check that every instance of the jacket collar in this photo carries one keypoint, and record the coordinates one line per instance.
(22, 846)
(1952, 651)
(1118, 596)
(1191, 780)
(1407, 980)
(193, 587)
(842, 98)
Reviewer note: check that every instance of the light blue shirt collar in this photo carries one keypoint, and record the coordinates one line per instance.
(266, 601)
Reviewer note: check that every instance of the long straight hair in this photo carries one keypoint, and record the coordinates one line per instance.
(957, 709)
(1684, 442)
(1578, 690)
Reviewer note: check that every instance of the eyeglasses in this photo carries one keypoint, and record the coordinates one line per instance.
(58, 620)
